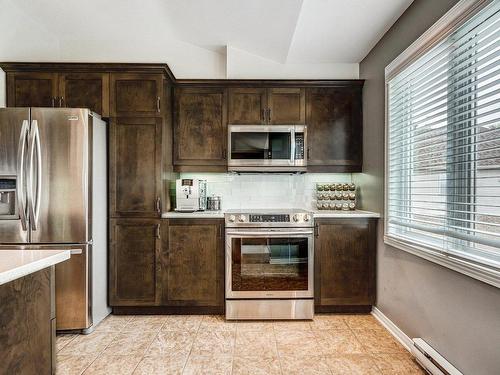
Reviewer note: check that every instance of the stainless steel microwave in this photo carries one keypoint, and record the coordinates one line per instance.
(267, 148)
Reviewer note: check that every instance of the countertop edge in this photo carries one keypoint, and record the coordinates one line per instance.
(192, 215)
(316, 214)
(34, 266)
(346, 214)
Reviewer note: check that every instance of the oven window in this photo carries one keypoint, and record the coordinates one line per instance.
(272, 264)
(253, 145)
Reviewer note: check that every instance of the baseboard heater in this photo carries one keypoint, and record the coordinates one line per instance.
(431, 360)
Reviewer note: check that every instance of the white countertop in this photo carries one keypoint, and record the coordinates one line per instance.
(15, 264)
(317, 214)
(193, 215)
(345, 214)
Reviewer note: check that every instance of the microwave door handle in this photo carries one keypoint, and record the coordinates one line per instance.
(292, 137)
(20, 192)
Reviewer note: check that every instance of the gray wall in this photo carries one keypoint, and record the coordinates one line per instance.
(457, 315)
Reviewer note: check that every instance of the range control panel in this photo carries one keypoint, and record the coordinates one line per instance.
(269, 218)
(290, 218)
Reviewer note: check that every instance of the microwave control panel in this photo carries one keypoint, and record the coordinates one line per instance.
(299, 146)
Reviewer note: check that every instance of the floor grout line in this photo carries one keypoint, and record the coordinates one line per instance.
(192, 344)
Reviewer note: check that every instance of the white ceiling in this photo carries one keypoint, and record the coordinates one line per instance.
(285, 34)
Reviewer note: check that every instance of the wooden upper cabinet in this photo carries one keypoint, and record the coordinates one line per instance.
(135, 167)
(258, 105)
(193, 262)
(334, 129)
(200, 124)
(31, 89)
(247, 106)
(287, 106)
(85, 90)
(136, 94)
(133, 262)
(344, 263)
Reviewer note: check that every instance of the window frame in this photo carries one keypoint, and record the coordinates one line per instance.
(445, 26)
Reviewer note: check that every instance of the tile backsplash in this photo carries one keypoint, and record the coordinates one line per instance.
(266, 190)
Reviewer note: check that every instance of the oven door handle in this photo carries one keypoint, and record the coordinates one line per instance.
(268, 233)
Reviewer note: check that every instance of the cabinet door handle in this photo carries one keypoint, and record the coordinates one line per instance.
(53, 102)
(316, 230)
(157, 230)
(308, 153)
(263, 114)
(158, 104)
(61, 101)
(269, 115)
(158, 204)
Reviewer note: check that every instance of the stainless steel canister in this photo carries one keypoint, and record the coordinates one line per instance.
(213, 203)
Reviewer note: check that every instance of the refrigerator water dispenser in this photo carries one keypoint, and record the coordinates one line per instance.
(8, 207)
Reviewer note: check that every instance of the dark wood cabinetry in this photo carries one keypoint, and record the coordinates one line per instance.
(193, 258)
(258, 105)
(157, 125)
(247, 105)
(172, 267)
(135, 95)
(27, 339)
(335, 129)
(135, 167)
(134, 262)
(52, 89)
(344, 265)
(85, 90)
(32, 89)
(286, 106)
(200, 129)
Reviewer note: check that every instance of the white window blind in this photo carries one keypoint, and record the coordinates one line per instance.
(443, 145)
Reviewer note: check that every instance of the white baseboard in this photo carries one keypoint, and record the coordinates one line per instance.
(393, 329)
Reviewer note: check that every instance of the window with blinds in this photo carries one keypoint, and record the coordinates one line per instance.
(443, 145)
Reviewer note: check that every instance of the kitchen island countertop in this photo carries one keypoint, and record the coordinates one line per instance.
(15, 264)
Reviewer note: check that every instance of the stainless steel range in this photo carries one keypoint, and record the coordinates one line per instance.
(269, 264)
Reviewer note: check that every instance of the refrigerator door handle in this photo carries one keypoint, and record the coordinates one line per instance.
(20, 193)
(34, 203)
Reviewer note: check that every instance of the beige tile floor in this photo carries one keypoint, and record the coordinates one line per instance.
(188, 344)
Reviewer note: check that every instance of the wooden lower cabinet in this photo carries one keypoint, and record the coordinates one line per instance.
(27, 323)
(344, 279)
(134, 266)
(173, 267)
(193, 259)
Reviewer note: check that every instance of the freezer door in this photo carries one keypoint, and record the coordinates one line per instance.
(73, 310)
(73, 285)
(59, 157)
(14, 128)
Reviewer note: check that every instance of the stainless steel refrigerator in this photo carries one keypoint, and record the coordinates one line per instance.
(53, 194)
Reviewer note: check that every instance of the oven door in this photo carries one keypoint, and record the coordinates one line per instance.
(269, 263)
(251, 146)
